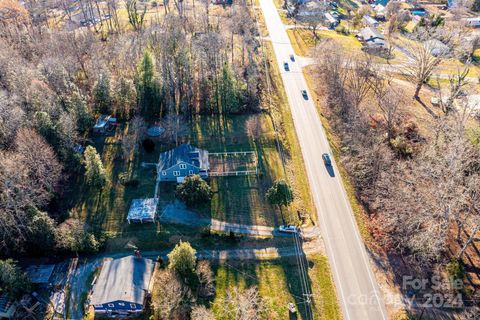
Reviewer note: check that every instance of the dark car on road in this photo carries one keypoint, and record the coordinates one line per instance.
(305, 94)
(326, 159)
(285, 65)
(292, 57)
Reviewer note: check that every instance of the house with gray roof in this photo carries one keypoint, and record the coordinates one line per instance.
(183, 161)
(122, 287)
(371, 38)
(370, 21)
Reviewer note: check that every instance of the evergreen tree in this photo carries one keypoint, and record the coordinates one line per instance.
(42, 232)
(280, 194)
(183, 259)
(94, 171)
(101, 95)
(228, 91)
(125, 99)
(147, 86)
(13, 281)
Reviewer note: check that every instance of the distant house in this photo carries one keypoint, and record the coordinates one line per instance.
(379, 12)
(311, 8)
(473, 22)
(183, 161)
(331, 21)
(104, 123)
(371, 38)
(122, 287)
(370, 21)
(437, 48)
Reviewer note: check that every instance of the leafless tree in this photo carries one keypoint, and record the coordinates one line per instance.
(131, 141)
(243, 304)
(422, 63)
(171, 299)
(201, 313)
(457, 83)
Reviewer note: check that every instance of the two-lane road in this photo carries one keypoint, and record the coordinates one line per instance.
(357, 289)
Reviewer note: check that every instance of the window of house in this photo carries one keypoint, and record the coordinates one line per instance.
(121, 304)
(176, 173)
(190, 172)
(111, 305)
(133, 306)
(183, 166)
(164, 173)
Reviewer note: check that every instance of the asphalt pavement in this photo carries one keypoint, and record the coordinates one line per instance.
(357, 289)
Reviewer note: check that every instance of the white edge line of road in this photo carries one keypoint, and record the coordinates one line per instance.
(355, 226)
(360, 242)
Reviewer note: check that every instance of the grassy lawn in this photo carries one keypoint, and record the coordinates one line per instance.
(278, 284)
(303, 41)
(236, 199)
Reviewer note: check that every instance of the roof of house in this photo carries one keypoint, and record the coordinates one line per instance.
(184, 153)
(369, 33)
(125, 279)
(437, 47)
(40, 274)
(143, 209)
(370, 20)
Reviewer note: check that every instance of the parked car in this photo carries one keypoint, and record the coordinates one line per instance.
(305, 94)
(292, 57)
(285, 65)
(288, 229)
(326, 159)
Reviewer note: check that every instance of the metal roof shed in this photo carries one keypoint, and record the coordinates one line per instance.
(142, 210)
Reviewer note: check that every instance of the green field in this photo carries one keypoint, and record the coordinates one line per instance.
(278, 284)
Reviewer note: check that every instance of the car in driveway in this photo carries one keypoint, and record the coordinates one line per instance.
(326, 159)
(286, 66)
(305, 94)
(288, 229)
(292, 57)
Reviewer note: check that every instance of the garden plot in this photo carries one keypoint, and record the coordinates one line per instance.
(224, 164)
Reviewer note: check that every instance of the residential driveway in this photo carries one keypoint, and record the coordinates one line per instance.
(358, 291)
(178, 213)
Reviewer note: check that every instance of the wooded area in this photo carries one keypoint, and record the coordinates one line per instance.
(55, 82)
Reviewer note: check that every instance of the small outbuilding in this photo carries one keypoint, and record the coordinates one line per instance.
(142, 210)
(122, 288)
(104, 124)
(183, 161)
(40, 273)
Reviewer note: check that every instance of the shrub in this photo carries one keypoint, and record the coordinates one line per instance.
(456, 270)
(194, 191)
(401, 146)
